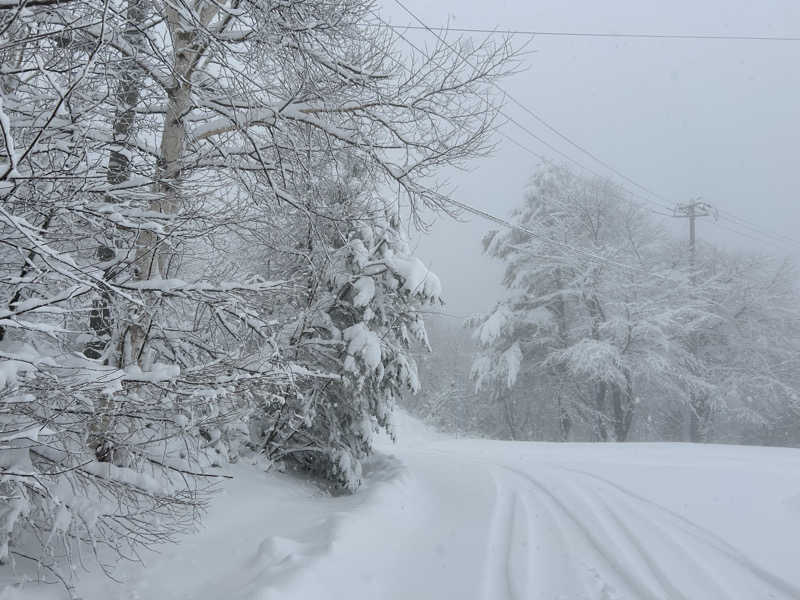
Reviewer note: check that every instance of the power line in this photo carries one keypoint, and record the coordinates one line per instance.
(770, 235)
(523, 147)
(760, 239)
(537, 117)
(545, 159)
(569, 158)
(603, 34)
(520, 125)
(505, 223)
(578, 251)
(508, 117)
(499, 220)
(748, 236)
(662, 203)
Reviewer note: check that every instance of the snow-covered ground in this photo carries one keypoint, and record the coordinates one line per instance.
(441, 518)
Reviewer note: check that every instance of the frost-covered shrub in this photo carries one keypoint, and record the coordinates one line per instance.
(353, 348)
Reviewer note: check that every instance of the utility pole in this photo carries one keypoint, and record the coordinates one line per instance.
(693, 210)
(698, 403)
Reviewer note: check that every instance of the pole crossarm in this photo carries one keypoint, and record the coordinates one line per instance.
(694, 209)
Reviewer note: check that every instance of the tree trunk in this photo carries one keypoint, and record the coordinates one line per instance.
(156, 257)
(622, 401)
(699, 417)
(510, 420)
(596, 313)
(126, 98)
(560, 308)
(564, 420)
(600, 406)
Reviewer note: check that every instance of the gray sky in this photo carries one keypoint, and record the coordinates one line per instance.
(717, 119)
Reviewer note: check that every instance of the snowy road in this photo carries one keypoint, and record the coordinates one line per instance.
(558, 526)
(566, 533)
(502, 521)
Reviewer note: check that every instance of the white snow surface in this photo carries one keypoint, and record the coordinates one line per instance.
(441, 518)
(365, 291)
(417, 278)
(361, 341)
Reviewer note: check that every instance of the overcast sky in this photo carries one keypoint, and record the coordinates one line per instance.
(686, 118)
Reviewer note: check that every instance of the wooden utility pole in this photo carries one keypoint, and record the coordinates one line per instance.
(692, 211)
(698, 403)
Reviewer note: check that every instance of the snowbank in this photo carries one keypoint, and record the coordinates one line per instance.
(443, 518)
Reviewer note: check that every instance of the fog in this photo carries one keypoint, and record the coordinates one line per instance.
(225, 372)
(684, 118)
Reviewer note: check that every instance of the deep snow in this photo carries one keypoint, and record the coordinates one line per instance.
(442, 518)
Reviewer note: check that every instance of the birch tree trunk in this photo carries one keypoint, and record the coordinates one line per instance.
(126, 96)
(157, 256)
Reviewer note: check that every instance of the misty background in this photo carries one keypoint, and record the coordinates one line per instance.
(682, 117)
(213, 278)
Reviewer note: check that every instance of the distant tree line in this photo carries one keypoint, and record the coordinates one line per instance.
(607, 333)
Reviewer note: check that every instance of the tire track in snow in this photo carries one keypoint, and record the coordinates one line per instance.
(602, 550)
(500, 577)
(551, 569)
(650, 560)
(519, 557)
(635, 549)
(612, 534)
(675, 520)
(690, 564)
(572, 585)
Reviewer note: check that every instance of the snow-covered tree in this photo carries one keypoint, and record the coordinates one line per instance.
(748, 352)
(604, 322)
(592, 308)
(361, 325)
(150, 149)
(349, 331)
